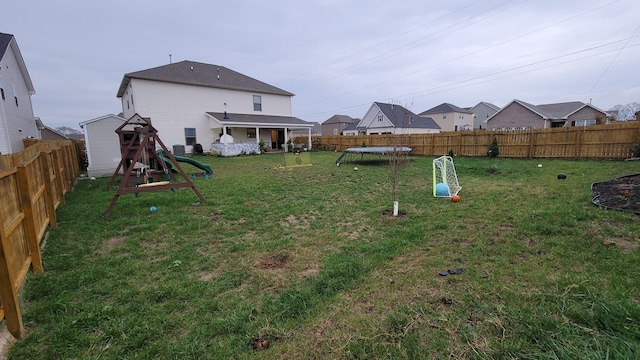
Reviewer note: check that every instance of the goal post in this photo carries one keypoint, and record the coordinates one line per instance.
(445, 179)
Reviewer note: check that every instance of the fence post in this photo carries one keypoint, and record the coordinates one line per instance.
(31, 231)
(532, 141)
(8, 279)
(49, 195)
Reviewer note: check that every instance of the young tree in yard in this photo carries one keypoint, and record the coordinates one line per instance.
(398, 156)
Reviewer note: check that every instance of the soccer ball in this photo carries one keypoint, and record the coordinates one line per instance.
(539, 165)
(442, 189)
(355, 168)
(455, 198)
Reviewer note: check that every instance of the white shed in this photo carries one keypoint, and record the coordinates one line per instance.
(102, 144)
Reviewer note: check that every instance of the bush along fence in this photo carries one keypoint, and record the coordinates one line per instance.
(33, 183)
(613, 141)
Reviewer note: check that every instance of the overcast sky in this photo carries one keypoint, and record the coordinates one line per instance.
(337, 56)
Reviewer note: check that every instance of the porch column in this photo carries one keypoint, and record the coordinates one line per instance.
(258, 135)
(309, 143)
(286, 138)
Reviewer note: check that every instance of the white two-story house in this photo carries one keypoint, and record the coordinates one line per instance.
(17, 121)
(195, 103)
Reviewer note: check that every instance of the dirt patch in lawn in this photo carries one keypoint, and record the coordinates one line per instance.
(621, 193)
(273, 261)
(110, 244)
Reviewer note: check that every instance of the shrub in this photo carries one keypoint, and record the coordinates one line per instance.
(635, 149)
(263, 146)
(494, 149)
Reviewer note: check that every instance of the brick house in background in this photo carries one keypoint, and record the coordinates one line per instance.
(519, 115)
(335, 124)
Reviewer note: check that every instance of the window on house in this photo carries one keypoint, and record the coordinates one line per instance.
(583, 122)
(127, 104)
(2, 89)
(380, 117)
(444, 116)
(251, 133)
(335, 131)
(487, 114)
(189, 136)
(257, 103)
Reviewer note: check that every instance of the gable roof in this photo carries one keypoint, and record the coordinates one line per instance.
(444, 108)
(487, 104)
(8, 40)
(554, 111)
(108, 116)
(403, 118)
(340, 119)
(200, 74)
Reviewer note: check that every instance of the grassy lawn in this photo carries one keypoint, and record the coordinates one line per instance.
(303, 262)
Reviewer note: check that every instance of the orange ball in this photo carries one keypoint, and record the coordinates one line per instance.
(455, 198)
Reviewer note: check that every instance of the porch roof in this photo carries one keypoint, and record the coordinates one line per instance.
(250, 120)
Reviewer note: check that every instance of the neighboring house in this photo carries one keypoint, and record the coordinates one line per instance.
(48, 133)
(481, 112)
(519, 115)
(384, 118)
(351, 129)
(102, 144)
(335, 124)
(450, 117)
(316, 130)
(195, 103)
(16, 111)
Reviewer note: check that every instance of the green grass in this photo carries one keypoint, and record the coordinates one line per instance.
(305, 259)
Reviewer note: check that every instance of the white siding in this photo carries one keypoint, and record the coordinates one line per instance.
(103, 145)
(174, 107)
(17, 122)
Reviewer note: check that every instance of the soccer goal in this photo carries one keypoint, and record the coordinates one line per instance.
(445, 179)
(296, 158)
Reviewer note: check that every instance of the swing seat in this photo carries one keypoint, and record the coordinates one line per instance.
(155, 184)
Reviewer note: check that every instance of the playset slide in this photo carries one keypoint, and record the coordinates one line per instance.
(188, 160)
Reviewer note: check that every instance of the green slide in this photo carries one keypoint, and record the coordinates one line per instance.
(187, 160)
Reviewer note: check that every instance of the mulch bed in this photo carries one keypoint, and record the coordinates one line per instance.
(621, 193)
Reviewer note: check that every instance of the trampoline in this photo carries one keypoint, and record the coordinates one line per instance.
(376, 150)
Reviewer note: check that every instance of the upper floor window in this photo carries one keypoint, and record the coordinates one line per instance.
(2, 89)
(257, 103)
(444, 116)
(335, 131)
(189, 136)
(380, 117)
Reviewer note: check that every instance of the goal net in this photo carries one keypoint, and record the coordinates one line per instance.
(445, 180)
(296, 158)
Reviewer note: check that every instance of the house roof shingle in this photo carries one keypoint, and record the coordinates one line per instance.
(248, 119)
(444, 108)
(403, 118)
(200, 74)
(340, 119)
(5, 40)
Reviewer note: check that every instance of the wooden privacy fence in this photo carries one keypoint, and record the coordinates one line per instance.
(32, 186)
(611, 141)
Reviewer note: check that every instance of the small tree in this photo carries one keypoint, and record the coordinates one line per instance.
(398, 156)
(494, 149)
